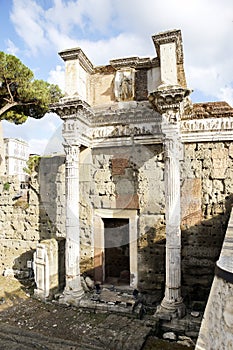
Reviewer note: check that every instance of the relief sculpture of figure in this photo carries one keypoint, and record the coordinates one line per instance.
(125, 88)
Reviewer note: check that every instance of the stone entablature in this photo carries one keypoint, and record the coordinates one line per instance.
(212, 129)
(138, 120)
(212, 121)
(91, 126)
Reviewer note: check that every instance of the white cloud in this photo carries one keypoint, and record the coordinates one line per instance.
(123, 45)
(11, 47)
(107, 29)
(28, 18)
(226, 94)
(57, 76)
(37, 146)
(37, 132)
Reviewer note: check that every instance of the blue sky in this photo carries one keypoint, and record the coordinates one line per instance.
(36, 30)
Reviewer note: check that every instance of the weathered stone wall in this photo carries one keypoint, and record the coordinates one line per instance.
(141, 92)
(52, 197)
(206, 200)
(129, 178)
(102, 86)
(126, 178)
(133, 178)
(39, 214)
(19, 224)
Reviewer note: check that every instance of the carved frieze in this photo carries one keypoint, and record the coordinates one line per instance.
(126, 130)
(210, 124)
(132, 112)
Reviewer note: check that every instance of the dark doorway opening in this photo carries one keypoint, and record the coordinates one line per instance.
(116, 251)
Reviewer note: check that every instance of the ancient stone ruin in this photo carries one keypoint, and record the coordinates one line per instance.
(142, 196)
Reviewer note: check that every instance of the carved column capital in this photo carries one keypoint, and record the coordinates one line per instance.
(170, 101)
(68, 107)
(72, 151)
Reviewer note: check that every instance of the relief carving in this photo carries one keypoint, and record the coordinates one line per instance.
(124, 85)
(125, 130)
(126, 90)
(207, 124)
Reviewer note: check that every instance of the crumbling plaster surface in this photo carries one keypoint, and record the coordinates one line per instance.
(119, 179)
(126, 178)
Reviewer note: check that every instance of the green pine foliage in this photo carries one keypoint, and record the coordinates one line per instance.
(22, 96)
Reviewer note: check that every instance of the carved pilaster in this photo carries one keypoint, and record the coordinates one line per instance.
(73, 290)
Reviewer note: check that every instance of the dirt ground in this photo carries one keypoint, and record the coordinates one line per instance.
(22, 317)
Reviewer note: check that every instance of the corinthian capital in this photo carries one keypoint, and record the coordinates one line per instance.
(72, 152)
(169, 100)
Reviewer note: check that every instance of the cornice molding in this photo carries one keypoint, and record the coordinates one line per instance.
(69, 108)
(169, 37)
(168, 98)
(134, 62)
(77, 53)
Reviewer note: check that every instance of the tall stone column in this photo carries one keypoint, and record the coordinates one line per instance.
(170, 102)
(172, 302)
(73, 289)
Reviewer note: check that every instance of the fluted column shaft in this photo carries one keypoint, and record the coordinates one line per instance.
(73, 287)
(172, 144)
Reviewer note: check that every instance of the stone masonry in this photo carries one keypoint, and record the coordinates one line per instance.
(19, 221)
(146, 178)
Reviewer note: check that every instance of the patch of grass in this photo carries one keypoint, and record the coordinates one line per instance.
(6, 186)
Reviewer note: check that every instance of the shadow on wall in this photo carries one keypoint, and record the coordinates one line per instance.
(201, 242)
(201, 247)
(47, 192)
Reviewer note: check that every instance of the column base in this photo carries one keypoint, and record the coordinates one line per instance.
(71, 297)
(168, 310)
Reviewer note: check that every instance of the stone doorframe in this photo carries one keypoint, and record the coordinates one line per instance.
(132, 216)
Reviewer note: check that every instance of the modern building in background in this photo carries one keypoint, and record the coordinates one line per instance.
(16, 157)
